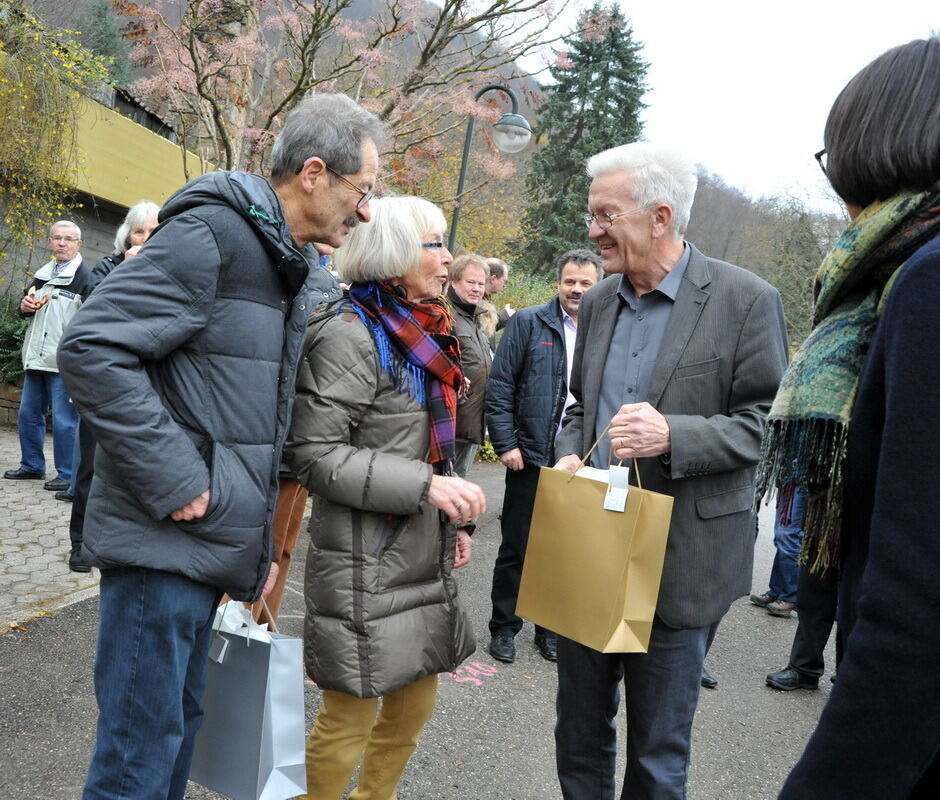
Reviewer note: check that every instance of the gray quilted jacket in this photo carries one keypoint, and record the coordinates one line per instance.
(184, 368)
(382, 607)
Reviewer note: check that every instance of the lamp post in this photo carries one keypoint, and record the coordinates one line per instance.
(511, 134)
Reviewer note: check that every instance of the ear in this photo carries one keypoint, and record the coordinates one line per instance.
(313, 170)
(661, 217)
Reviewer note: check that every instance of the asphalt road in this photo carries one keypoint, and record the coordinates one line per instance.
(491, 737)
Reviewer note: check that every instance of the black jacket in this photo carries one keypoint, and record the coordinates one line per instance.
(183, 367)
(526, 391)
(879, 734)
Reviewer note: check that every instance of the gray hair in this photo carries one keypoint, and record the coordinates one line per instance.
(660, 176)
(65, 223)
(390, 245)
(464, 262)
(137, 215)
(580, 257)
(883, 132)
(329, 126)
(497, 267)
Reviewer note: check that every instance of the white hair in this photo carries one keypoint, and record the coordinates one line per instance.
(137, 215)
(66, 223)
(390, 245)
(659, 174)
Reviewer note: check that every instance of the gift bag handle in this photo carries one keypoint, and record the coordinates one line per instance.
(636, 467)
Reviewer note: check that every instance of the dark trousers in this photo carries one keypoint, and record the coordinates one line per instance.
(81, 481)
(661, 689)
(518, 501)
(816, 602)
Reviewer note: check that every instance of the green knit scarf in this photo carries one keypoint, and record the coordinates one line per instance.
(807, 428)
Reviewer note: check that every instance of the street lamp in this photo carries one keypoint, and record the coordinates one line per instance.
(511, 134)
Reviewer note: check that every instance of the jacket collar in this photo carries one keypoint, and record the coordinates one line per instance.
(45, 272)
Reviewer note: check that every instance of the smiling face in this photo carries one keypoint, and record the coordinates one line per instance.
(64, 243)
(626, 245)
(471, 285)
(576, 279)
(428, 280)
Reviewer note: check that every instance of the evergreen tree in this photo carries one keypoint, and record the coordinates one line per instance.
(101, 33)
(594, 103)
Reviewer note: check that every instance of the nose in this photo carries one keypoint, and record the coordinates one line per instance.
(364, 212)
(595, 231)
(446, 257)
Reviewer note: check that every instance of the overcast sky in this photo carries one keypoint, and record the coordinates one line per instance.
(744, 88)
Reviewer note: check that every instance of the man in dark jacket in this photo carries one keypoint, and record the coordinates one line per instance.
(184, 369)
(525, 397)
(467, 285)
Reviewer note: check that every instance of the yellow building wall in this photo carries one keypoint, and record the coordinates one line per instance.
(123, 162)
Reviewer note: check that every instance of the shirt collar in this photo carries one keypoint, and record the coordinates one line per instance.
(668, 286)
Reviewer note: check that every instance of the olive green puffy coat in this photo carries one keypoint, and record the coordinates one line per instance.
(382, 607)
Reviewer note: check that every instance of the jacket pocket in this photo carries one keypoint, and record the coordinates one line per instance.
(732, 501)
(235, 499)
(698, 368)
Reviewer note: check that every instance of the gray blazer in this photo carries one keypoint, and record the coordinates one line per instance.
(722, 356)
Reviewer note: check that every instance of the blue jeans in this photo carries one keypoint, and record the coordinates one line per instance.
(788, 538)
(40, 391)
(153, 640)
(661, 690)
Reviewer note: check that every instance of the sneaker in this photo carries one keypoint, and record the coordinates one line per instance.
(781, 608)
(762, 600)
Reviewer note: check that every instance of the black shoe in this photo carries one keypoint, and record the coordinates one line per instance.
(503, 648)
(789, 679)
(56, 485)
(77, 562)
(708, 682)
(65, 497)
(22, 475)
(547, 645)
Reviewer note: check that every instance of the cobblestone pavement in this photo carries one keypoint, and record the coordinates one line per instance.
(34, 544)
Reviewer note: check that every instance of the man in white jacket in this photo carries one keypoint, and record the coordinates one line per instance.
(50, 302)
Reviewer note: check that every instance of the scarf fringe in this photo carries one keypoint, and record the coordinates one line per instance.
(808, 453)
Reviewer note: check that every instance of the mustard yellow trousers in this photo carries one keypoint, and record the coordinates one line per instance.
(348, 728)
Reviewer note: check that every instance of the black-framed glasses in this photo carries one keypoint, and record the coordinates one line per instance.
(364, 196)
(820, 159)
(432, 244)
(604, 221)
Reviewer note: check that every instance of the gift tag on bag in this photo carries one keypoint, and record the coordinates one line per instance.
(617, 488)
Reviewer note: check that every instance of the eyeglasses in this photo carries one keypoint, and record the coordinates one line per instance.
(364, 196)
(68, 239)
(432, 244)
(820, 159)
(604, 221)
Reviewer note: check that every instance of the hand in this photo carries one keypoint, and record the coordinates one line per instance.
(509, 309)
(461, 500)
(270, 580)
(512, 459)
(28, 304)
(570, 463)
(133, 251)
(194, 509)
(464, 549)
(639, 431)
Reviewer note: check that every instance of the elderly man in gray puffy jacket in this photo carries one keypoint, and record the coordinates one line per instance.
(184, 369)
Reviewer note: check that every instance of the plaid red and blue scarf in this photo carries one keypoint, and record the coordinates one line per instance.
(416, 350)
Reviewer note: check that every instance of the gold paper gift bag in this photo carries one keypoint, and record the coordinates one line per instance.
(592, 575)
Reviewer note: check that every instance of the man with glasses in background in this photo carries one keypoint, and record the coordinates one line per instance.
(50, 302)
(680, 354)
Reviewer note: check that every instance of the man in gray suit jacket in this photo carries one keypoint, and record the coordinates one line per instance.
(682, 355)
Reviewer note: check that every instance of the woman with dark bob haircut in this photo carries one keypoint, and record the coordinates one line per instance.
(857, 421)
